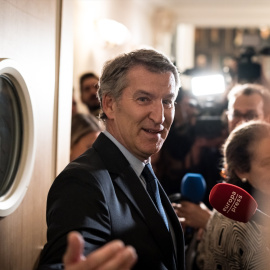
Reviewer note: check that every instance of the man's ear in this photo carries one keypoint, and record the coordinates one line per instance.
(108, 107)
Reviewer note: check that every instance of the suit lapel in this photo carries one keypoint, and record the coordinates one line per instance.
(179, 236)
(132, 187)
(136, 193)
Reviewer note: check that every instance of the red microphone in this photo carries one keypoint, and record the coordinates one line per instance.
(236, 203)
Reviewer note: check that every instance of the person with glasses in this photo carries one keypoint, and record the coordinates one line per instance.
(247, 102)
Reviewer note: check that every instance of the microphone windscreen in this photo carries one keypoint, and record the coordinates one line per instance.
(233, 202)
(193, 187)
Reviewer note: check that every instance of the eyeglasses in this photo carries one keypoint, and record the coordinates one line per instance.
(236, 116)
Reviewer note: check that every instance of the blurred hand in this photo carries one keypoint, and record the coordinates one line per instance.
(113, 256)
(192, 215)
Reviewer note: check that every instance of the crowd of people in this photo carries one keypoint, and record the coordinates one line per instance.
(104, 211)
(245, 103)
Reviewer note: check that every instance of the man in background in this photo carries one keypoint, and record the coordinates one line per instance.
(245, 102)
(88, 89)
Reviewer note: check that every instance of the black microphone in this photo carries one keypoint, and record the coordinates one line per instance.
(237, 204)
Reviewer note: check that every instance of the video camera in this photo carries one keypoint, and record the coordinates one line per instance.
(248, 70)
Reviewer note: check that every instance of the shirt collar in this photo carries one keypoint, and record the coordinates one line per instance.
(135, 163)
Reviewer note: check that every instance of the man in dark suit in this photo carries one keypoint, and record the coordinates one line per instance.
(104, 194)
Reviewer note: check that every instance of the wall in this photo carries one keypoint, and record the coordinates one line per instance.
(30, 35)
(90, 52)
(212, 13)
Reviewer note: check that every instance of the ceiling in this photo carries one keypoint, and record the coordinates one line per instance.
(179, 3)
(222, 13)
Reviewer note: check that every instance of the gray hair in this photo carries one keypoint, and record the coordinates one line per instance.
(250, 89)
(114, 75)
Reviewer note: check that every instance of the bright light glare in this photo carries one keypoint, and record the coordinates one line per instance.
(113, 32)
(208, 85)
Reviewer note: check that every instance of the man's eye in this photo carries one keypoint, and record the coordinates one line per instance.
(236, 115)
(168, 103)
(143, 99)
(251, 116)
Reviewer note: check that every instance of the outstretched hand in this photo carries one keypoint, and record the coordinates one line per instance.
(113, 256)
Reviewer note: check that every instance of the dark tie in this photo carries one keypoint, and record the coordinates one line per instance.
(152, 188)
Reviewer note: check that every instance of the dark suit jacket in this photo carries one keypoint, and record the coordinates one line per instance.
(100, 196)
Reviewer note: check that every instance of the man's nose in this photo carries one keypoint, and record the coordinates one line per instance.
(93, 89)
(157, 112)
(242, 120)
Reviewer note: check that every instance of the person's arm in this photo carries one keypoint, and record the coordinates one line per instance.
(72, 205)
(112, 256)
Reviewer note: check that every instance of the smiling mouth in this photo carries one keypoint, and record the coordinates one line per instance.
(152, 131)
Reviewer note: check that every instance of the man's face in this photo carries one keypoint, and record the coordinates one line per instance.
(245, 108)
(141, 119)
(89, 93)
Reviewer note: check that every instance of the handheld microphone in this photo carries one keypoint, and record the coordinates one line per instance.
(236, 203)
(193, 187)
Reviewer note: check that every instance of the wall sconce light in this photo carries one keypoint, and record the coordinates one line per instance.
(265, 32)
(112, 32)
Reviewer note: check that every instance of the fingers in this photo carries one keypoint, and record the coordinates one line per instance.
(180, 210)
(193, 215)
(125, 260)
(74, 248)
(113, 256)
(177, 208)
(186, 212)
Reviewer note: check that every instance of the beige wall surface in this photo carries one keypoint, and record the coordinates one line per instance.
(28, 36)
(90, 50)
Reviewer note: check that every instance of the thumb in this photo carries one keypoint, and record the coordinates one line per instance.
(74, 249)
